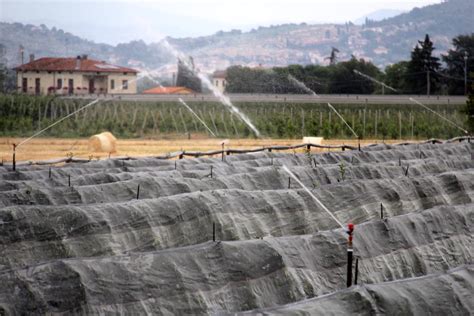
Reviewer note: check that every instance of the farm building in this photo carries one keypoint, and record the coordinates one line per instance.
(169, 90)
(219, 79)
(79, 75)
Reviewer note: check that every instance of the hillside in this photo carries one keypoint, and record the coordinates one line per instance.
(383, 42)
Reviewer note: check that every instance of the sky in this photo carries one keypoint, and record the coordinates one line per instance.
(119, 21)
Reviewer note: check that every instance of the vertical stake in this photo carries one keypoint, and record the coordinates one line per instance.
(222, 151)
(213, 231)
(356, 271)
(381, 211)
(359, 143)
(349, 254)
(289, 182)
(138, 192)
(68, 180)
(175, 165)
(400, 161)
(406, 171)
(211, 172)
(49, 175)
(14, 157)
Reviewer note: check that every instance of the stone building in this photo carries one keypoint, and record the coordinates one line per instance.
(219, 80)
(68, 76)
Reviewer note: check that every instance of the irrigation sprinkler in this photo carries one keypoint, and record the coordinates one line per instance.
(350, 253)
(223, 143)
(194, 113)
(350, 226)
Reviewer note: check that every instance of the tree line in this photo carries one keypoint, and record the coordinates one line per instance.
(422, 74)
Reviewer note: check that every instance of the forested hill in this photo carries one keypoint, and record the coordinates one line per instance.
(383, 42)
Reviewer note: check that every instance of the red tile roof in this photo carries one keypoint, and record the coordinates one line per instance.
(169, 90)
(70, 64)
(220, 74)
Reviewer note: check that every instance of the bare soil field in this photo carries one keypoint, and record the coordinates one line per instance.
(47, 148)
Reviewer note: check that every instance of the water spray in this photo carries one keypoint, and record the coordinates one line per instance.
(434, 112)
(376, 81)
(340, 116)
(16, 146)
(292, 175)
(194, 113)
(305, 88)
(301, 85)
(217, 93)
(350, 226)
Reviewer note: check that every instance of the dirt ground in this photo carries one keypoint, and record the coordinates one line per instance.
(47, 148)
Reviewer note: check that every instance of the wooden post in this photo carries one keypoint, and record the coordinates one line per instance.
(356, 271)
(211, 172)
(289, 182)
(138, 192)
(14, 157)
(381, 211)
(213, 231)
(69, 180)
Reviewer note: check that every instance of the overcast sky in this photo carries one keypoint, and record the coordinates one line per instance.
(115, 21)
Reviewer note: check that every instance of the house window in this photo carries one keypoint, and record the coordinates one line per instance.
(112, 84)
(125, 84)
(60, 84)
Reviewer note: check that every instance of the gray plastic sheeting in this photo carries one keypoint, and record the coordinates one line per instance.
(95, 248)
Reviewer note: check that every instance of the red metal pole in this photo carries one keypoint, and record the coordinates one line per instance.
(350, 252)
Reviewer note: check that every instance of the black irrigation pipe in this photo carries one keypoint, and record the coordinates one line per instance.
(195, 154)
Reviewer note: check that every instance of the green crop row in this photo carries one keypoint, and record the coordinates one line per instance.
(22, 115)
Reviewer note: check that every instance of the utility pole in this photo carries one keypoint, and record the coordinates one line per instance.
(466, 57)
(428, 82)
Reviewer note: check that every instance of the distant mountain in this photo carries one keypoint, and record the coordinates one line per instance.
(378, 15)
(387, 41)
(384, 42)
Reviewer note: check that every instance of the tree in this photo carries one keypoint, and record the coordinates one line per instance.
(422, 70)
(455, 63)
(395, 76)
(186, 76)
(344, 80)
